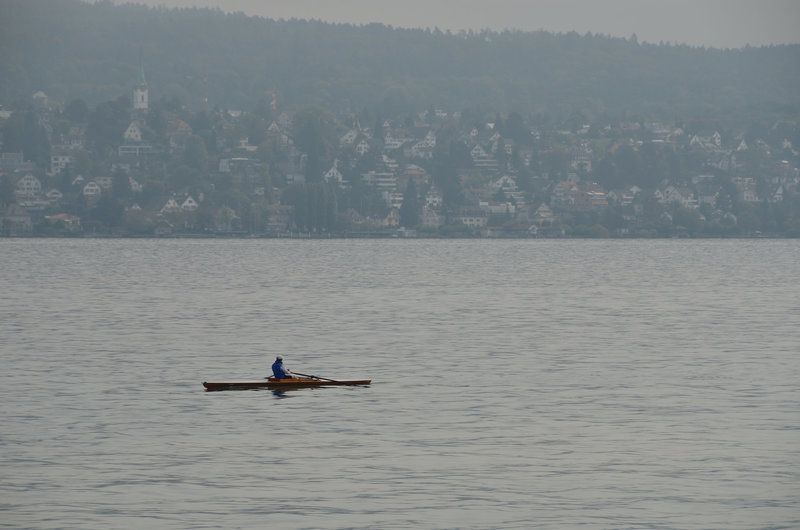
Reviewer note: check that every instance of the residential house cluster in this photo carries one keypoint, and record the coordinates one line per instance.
(505, 189)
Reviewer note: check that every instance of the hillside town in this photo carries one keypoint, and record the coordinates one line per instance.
(133, 167)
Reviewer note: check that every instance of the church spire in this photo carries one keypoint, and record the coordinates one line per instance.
(140, 92)
(141, 81)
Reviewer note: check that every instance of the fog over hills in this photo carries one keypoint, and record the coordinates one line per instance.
(71, 49)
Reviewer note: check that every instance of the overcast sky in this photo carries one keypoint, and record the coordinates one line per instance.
(716, 23)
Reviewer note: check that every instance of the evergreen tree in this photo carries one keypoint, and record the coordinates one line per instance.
(409, 211)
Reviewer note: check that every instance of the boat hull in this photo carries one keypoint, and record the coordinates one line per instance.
(280, 384)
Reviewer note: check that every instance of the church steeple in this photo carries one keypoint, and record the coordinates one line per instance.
(140, 94)
(141, 80)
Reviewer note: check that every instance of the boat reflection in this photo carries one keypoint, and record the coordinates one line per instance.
(282, 393)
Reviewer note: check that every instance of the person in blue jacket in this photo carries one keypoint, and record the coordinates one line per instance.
(279, 370)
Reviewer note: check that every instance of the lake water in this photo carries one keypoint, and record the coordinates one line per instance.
(516, 384)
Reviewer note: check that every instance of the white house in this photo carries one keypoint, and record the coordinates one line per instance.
(497, 208)
(430, 218)
(136, 187)
(363, 147)
(333, 174)
(59, 161)
(133, 133)
(92, 190)
(348, 138)
(505, 183)
(29, 186)
(170, 206)
(189, 204)
(433, 199)
(106, 182)
(54, 195)
(390, 142)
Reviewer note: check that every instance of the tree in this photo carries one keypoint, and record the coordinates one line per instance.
(22, 133)
(516, 130)
(195, 155)
(82, 164)
(120, 186)
(108, 211)
(313, 134)
(77, 111)
(315, 206)
(254, 128)
(689, 218)
(107, 123)
(409, 210)
(6, 190)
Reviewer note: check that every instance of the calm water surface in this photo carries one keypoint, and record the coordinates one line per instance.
(517, 384)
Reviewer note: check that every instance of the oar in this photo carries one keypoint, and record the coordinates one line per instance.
(322, 378)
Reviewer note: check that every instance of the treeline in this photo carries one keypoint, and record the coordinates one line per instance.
(71, 49)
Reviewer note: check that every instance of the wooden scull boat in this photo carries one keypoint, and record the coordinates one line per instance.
(281, 384)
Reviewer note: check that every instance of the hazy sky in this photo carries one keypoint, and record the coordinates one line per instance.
(717, 23)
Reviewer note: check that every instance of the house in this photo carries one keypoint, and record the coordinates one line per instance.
(707, 143)
(136, 187)
(483, 160)
(348, 138)
(75, 138)
(393, 219)
(497, 208)
(393, 199)
(92, 190)
(620, 197)
(133, 133)
(473, 219)
(777, 195)
(590, 199)
(390, 142)
(284, 121)
(170, 206)
(563, 195)
(434, 199)
(189, 205)
(179, 127)
(707, 193)
(28, 186)
(380, 180)
(389, 163)
(746, 186)
(505, 183)
(59, 161)
(429, 218)
(105, 182)
(273, 131)
(53, 195)
(362, 148)
(177, 132)
(11, 161)
(135, 150)
(419, 150)
(543, 216)
(71, 223)
(333, 174)
(409, 172)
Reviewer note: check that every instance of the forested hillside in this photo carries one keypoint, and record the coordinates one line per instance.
(70, 49)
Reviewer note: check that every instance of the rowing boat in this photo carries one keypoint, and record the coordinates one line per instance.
(281, 384)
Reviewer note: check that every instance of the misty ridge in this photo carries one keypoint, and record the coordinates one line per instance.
(71, 49)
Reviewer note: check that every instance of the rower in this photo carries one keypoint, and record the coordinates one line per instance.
(279, 370)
